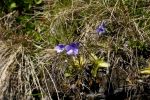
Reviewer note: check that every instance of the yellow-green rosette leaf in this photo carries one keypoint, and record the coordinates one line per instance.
(79, 62)
(93, 57)
(76, 62)
(82, 60)
(99, 64)
(67, 74)
(94, 71)
(102, 64)
(145, 71)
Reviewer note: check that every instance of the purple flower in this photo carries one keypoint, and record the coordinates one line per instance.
(60, 48)
(101, 28)
(72, 49)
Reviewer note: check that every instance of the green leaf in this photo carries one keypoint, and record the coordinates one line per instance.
(38, 1)
(37, 46)
(28, 1)
(13, 5)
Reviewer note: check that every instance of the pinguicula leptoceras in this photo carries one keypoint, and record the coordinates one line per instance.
(59, 48)
(101, 28)
(71, 49)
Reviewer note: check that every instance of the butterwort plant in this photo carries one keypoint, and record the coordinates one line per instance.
(59, 48)
(71, 49)
(101, 29)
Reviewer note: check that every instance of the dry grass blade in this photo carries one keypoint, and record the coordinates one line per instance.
(8, 56)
